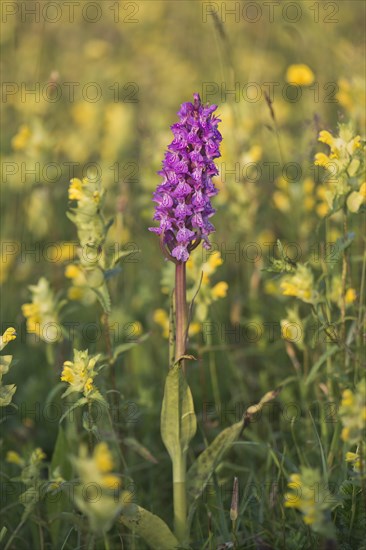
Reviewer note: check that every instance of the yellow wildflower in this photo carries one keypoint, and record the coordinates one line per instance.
(299, 284)
(194, 328)
(75, 293)
(41, 313)
(215, 261)
(321, 159)
(9, 335)
(308, 185)
(309, 203)
(162, 318)
(303, 496)
(14, 458)
(352, 413)
(355, 459)
(75, 189)
(95, 472)
(80, 374)
(270, 287)
(72, 271)
(220, 290)
(347, 398)
(21, 139)
(281, 201)
(322, 209)
(37, 456)
(344, 94)
(300, 74)
(103, 458)
(350, 296)
(66, 252)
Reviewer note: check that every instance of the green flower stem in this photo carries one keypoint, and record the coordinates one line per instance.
(180, 498)
(213, 374)
(179, 464)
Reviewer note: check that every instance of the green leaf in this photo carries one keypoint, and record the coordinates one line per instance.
(104, 298)
(178, 419)
(56, 504)
(202, 469)
(79, 403)
(354, 201)
(123, 254)
(312, 374)
(136, 446)
(5, 361)
(340, 245)
(151, 528)
(6, 394)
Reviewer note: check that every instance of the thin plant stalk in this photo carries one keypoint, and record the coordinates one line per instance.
(180, 312)
(179, 466)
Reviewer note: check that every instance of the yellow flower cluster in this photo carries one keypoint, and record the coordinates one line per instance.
(104, 463)
(80, 190)
(351, 95)
(6, 391)
(79, 290)
(335, 294)
(88, 276)
(358, 460)
(353, 413)
(344, 161)
(42, 313)
(292, 328)
(300, 284)
(88, 194)
(9, 335)
(14, 458)
(207, 293)
(309, 494)
(97, 471)
(31, 469)
(315, 197)
(80, 373)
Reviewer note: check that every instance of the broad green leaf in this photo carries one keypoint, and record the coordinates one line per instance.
(201, 470)
(178, 419)
(151, 528)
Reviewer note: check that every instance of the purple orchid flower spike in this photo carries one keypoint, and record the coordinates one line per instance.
(183, 198)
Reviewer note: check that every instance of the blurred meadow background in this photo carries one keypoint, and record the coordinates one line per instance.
(90, 89)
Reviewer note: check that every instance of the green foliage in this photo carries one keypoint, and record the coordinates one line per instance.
(279, 299)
